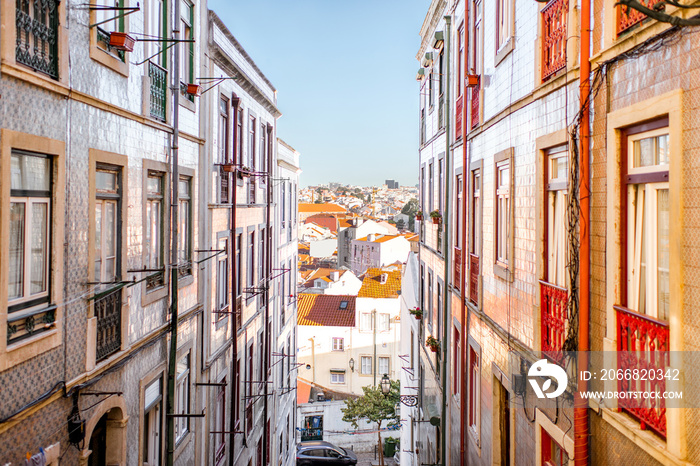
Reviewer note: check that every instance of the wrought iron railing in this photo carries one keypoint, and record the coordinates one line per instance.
(475, 103)
(553, 319)
(629, 17)
(37, 35)
(458, 117)
(109, 324)
(554, 26)
(21, 324)
(474, 279)
(458, 269)
(159, 82)
(103, 40)
(642, 343)
(224, 183)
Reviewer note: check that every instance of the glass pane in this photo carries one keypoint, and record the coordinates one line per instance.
(157, 230)
(110, 226)
(644, 152)
(106, 181)
(662, 150)
(39, 240)
(16, 269)
(155, 185)
(643, 259)
(184, 189)
(663, 254)
(30, 172)
(110, 269)
(148, 241)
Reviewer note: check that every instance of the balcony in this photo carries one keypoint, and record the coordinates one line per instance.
(158, 76)
(475, 103)
(554, 319)
(642, 344)
(554, 22)
(108, 310)
(628, 17)
(224, 182)
(474, 279)
(37, 35)
(21, 324)
(458, 117)
(457, 283)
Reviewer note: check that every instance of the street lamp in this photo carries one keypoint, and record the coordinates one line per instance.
(385, 385)
(351, 362)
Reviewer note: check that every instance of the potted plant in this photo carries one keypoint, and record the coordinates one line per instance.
(433, 344)
(416, 312)
(472, 80)
(194, 89)
(436, 216)
(121, 41)
(228, 167)
(419, 216)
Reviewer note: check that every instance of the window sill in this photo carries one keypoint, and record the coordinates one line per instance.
(105, 58)
(502, 272)
(180, 447)
(185, 280)
(150, 296)
(28, 348)
(187, 103)
(505, 50)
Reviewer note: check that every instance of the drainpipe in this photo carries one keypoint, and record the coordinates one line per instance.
(266, 295)
(581, 428)
(466, 175)
(174, 229)
(448, 251)
(234, 316)
(313, 360)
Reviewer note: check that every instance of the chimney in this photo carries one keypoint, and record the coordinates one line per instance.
(383, 277)
(335, 275)
(371, 237)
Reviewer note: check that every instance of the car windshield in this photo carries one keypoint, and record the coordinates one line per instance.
(342, 451)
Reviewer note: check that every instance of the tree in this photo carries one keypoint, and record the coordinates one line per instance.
(373, 406)
(411, 208)
(400, 224)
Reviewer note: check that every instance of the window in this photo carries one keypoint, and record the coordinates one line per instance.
(187, 48)
(556, 246)
(106, 24)
(250, 273)
(107, 224)
(383, 363)
(236, 397)
(224, 155)
(239, 131)
(154, 228)
(429, 296)
(441, 183)
(338, 377)
(366, 365)
(237, 264)
(431, 180)
(504, 22)
(152, 423)
(222, 279)
(37, 47)
(30, 230)
(430, 90)
(343, 305)
(456, 363)
(422, 192)
(503, 215)
(367, 322)
(458, 215)
(251, 141)
(552, 453)
(263, 148)
(474, 392)
(261, 255)
(648, 223)
(283, 202)
(185, 237)
(220, 425)
(441, 90)
(422, 289)
(422, 113)
(438, 329)
(475, 233)
(338, 344)
(182, 397)
(384, 321)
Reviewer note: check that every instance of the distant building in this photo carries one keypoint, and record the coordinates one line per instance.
(350, 229)
(332, 281)
(391, 184)
(377, 251)
(307, 210)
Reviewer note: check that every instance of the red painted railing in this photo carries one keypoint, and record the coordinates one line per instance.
(458, 268)
(642, 344)
(628, 17)
(458, 117)
(474, 279)
(554, 316)
(475, 103)
(554, 21)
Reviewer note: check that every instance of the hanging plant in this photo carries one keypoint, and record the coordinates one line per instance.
(419, 216)
(228, 167)
(194, 89)
(433, 343)
(121, 41)
(416, 312)
(436, 216)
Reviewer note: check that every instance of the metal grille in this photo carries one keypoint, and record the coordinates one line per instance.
(553, 308)
(251, 190)
(37, 35)
(158, 77)
(554, 22)
(475, 103)
(642, 343)
(109, 324)
(458, 117)
(103, 38)
(25, 326)
(628, 17)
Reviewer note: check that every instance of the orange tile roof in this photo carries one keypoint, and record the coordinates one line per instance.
(383, 239)
(324, 310)
(303, 392)
(373, 288)
(327, 207)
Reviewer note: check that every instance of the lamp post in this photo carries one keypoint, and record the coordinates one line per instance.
(385, 385)
(351, 363)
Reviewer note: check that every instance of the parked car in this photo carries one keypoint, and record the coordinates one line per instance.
(317, 452)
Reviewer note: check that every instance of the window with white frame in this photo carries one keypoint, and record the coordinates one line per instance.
(338, 344)
(182, 397)
(474, 409)
(384, 321)
(220, 425)
(30, 230)
(557, 176)
(366, 365)
(366, 322)
(107, 22)
(185, 216)
(552, 453)
(187, 49)
(648, 223)
(152, 423)
(222, 279)
(154, 228)
(383, 365)
(337, 377)
(503, 212)
(504, 22)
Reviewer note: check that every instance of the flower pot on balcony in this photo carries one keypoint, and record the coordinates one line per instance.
(436, 220)
(472, 80)
(228, 167)
(433, 344)
(416, 312)
(194, 89)
(436, 216)
(419, 216)
(121, 41)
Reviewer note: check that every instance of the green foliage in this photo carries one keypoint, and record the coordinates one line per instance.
(400, 224)
(373, 406)
(411, 208)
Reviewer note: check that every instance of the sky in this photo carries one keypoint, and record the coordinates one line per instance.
(345, 72)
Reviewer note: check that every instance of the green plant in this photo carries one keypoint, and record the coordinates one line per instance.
(433, 343)
(435, 214)
(417, 312)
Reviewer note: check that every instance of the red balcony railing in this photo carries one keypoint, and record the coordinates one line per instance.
(475, 103)
(554, 318)
(474, 279)
(458, 268)
(642, 344)
(458, 117)
(628, 17)
(554, 21)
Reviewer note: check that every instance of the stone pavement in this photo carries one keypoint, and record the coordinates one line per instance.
(368, 459)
